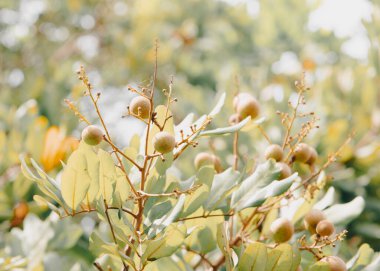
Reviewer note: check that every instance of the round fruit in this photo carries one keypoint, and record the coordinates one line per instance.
(325, 228)
(163, 142)
(285, 170)
(204, 159)
(140, 105)
(20, 210)
(246, 105)
(92, 135)
(274, 151)
(234, 119)
(335, 263)
(312, 218)
(282, 230)
(313, 156)
(302, 153)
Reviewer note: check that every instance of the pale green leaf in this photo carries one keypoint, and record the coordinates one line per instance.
(254, 258)
(226, 130)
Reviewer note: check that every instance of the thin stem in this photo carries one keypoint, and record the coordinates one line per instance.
(236, 150)
(203, 216)
(203, 258)
(97, 266)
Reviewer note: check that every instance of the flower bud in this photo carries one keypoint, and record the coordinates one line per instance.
(140, 106)
(302, 153)
(312, 218)
(275, 152)
(325, 228)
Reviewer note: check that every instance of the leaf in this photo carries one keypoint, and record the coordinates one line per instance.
(254, 258)
(160, 224)
(226, 130)
(195, 200)
(122, 185)
(259, 186)
(75, 180)
(221, 187)
(281, 258)
(374, 265)
(345, 213)
(107, 175)
(327, 200)
(362, 258)
(166, 245)
(222, 238)
(218, 106)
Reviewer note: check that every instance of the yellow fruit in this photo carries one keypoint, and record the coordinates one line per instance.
(285, 170)
(92, 135)
(282, 230)
(325, 228)
(275, 152)
(302, 153)
(163, 142)
(140, 106)
(204, 159)
(313, 156)
(246, 105)
(312, 218)
(335, 263)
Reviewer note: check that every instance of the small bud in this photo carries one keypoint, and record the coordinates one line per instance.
(92, 135)
(282, 230)
(163, 142)
(312, 218)
(275, 152)
(335, 263)
(140, 106)
(325, 228)
(302, 153)
(285, 170)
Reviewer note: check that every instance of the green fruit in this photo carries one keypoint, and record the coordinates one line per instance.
(312, 218)
(285, 171)
(275, 152)
(302, 153)
(92, 135)
(140, 106)
(246, 105)
(163, 142)
(325, 228)
(282, 230)
(313, 156)
(335, 263)
(204, 159)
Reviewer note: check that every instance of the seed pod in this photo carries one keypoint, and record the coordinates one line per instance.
(275, 152)
(246, 105)
(335, 263)
(325, 228)
(302, 153)
(282, 230)
(204, 159)
(92, 135)
(140, 106)
(312, 218)
(163, 142)
(313, 156)
(285, 170)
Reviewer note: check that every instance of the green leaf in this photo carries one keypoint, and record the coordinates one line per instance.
(222, 238)
(282, 258)
(226, 130)
(221, 187)
(259, 186)
(374, 265)
(166, 245)
(345, 213)
(107, 175)
(254, 258)
(75, 180)
(160, 224)
(122, 185)
(362, 258)
(163, 165)
(218, 105)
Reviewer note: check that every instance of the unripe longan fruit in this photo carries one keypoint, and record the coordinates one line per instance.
(142, 103)
(325, 228)
(285, 171)
(313, 156)
(312, 218)
(92, 135)
(163, 142)
(274, 151)
(302, 153)
(282, 230)
(246, 105)
(335, 263)
(204, 159)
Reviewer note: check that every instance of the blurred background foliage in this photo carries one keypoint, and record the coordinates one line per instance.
(205, 45)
